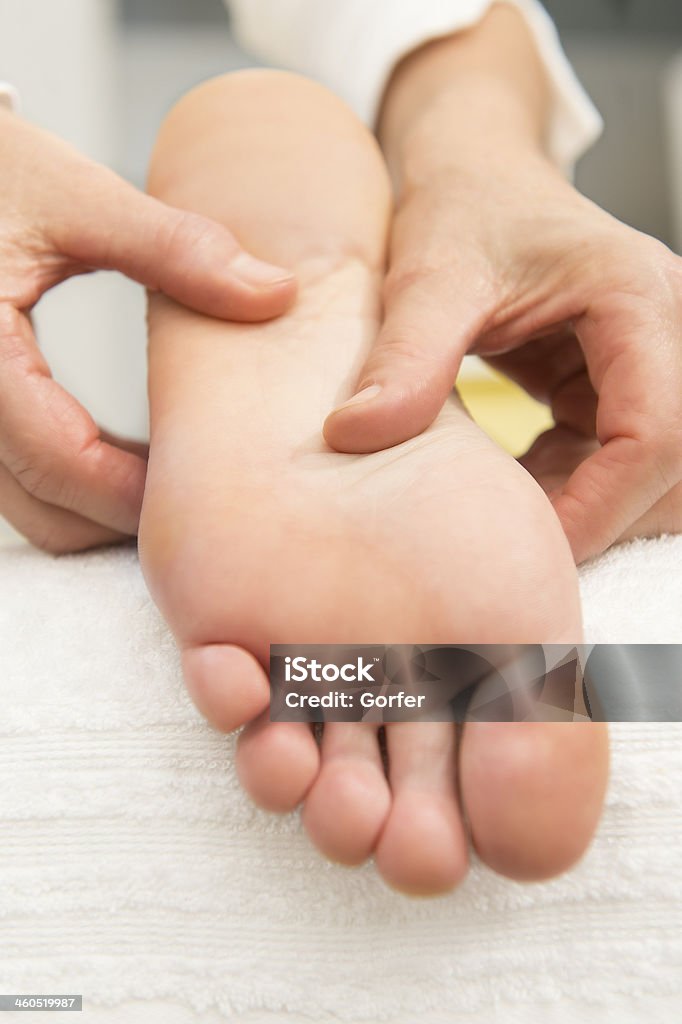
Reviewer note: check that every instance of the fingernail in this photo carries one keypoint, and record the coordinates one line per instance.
(362, 396)
(257, 273)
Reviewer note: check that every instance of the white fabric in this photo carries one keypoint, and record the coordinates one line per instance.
(134, 871)
(9, 97)
(352, 46)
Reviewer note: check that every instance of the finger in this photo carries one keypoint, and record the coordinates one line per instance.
(611, 490)
(555, 454)
(428, 325)
(540, 366)
(632, 361)
(664, 517)
(575, 405)
(140, 448)
(193, 259)
(52, 446)
(47, 527)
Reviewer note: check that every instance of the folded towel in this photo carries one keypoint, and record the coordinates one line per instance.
(134, 871)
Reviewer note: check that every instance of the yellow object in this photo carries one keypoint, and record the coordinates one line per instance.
(507, 414)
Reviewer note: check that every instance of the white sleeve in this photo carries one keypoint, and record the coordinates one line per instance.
(9, 97)
(352, 47)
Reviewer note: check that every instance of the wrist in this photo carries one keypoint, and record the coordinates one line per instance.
(473, 126)
(481, 89)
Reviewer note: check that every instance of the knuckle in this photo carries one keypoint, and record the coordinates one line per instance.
(406, 276)
(44, 474)
(187, 232)
(170, 234)
(405, 346)
(48, 466)
(36, 476)
(651, 268)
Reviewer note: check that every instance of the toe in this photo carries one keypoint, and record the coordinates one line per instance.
(533, 793)
(350, 799)
(422, 850)
(227, 684)
(277, 762)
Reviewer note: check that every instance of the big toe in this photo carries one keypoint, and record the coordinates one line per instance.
(533, 793)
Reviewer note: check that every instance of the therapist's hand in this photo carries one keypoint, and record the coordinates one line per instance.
(494, 252)
(63, 483)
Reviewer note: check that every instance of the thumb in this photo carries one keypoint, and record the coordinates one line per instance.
(428, 326)
(193, 259)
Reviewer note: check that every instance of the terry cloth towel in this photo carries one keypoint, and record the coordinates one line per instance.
(134, 871)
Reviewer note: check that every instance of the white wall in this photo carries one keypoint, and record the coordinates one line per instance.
(673, 112)
(627, 172)
(63, 57)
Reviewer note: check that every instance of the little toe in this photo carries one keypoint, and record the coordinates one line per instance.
(422, 850)
(227, 684)
(277, 762)
(533, 793)
(349, 801)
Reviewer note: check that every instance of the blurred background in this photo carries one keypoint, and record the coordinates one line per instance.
(102, 73)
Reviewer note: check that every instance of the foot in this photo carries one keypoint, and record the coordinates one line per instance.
(253, 532)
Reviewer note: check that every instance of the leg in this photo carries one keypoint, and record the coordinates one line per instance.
(254, 532)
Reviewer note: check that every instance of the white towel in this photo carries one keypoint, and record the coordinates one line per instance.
(134, 871)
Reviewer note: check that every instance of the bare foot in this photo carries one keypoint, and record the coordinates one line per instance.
(254, 532)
